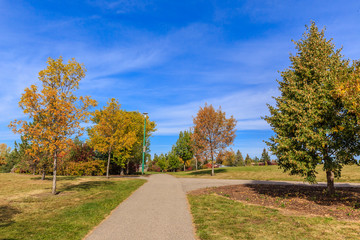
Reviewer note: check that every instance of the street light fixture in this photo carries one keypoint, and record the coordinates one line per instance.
(144, 146)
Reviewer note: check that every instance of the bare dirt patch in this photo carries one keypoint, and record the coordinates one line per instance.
(303, 200)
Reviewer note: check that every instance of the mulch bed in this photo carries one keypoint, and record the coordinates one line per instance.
(306, 200)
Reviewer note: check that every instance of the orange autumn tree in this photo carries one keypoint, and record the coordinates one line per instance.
(55, 113)
(38, 155)
(212, 133)
(112, 133)
(4, 151)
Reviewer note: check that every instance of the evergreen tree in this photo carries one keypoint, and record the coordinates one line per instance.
(183, 147)
(239, 159)
(162, 162)
(173, 161)
(248, 160)
(265, 158)
(311, 125)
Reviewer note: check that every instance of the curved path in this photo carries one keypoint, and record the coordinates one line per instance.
(159, 209)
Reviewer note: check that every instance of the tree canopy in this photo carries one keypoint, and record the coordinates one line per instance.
(265, 158)
(239, 159)
(118, 133)
(248, 160)
(348, 89)
(112, 131)
(55, 112)
(212, 132)
(183, 147)
(311, 123)
(4, 151)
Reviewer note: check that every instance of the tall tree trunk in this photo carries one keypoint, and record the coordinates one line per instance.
(212, 167)
(212, 162)
(127, 167)
(108, 164)
(34, 172)
(184, 166)
(196, 164)
(330, 182)
(122, 171)
(54, 173)
(43, 174)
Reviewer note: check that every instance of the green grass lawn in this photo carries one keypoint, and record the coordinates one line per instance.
(218, 218)
(29, 211)
(349, 174)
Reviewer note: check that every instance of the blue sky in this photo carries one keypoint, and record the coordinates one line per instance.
(167, 58)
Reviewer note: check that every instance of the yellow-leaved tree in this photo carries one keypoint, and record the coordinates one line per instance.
(112, 132)
(55, 113)
(348, 89)
(134, 153)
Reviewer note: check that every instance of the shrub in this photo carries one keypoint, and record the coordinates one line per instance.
(154, 168)
(209, 165)
(91, 168)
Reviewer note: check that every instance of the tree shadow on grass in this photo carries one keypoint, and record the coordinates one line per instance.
(207, 172)
(58, 178)
(348, 196)
(6, 215)
(86, 185)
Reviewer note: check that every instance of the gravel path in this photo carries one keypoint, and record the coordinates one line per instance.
(157, 210)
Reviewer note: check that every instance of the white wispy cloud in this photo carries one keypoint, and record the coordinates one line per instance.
(247, 107)
(121, 6)
(20, 69)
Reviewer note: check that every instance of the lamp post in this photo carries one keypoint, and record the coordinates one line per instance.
(144, 147)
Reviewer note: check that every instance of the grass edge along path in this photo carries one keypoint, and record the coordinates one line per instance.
(217, 217)
(90, 203)
(350, 174)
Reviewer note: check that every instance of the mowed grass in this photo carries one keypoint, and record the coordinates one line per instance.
(274, 173)
(29, 211)
(217, 218)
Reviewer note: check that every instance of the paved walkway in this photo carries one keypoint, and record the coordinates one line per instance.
(158, 210)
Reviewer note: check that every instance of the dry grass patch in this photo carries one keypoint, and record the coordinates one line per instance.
(28, 210)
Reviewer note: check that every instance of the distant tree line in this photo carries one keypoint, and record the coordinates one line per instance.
(171, 162)
(78, 158)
